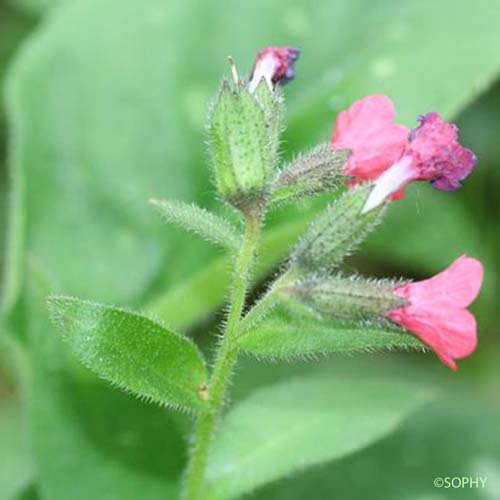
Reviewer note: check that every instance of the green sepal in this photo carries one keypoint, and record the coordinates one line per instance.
(313, 173)
(336, 232)
(346, 297)
(243, 138)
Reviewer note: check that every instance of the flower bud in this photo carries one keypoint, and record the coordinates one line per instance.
(336, 232)
(350, 298)
(313, 173)
(243, 143)
(275, 65)
(244, 128)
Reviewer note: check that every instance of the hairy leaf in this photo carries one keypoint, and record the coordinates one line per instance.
(117, 446)
(304, 422)
(206, 289)
(132, 351)
(200, 221)
(77, 142)
(285, 334)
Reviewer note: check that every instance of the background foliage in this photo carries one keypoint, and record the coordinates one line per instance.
(105, 102)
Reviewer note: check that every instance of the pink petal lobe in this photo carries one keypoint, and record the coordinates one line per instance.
(451, 333)
(367, 129)
(437, 154)
(456, 286)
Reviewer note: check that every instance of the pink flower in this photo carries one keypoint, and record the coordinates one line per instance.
(367, 128)
(275, 65)
(436, 312)
(432, 154)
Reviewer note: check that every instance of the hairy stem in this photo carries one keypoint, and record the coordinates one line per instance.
(226, 356)
(266, 303)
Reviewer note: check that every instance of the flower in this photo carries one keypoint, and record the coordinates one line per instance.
(436, 311)
(275, 65)
(432, 154)
(367, 128)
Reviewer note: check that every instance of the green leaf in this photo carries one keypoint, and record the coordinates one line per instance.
(200, 221)
(132, 351)
(75, 161)
(448, 439)
(381, 53)
(304, 422)
(117, 446)
(17, 467)
(35, 6)
(206, 288)
(288, 335)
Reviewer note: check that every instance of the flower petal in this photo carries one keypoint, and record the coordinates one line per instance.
(437, 154)
(451, 333)
(367, 129)
(456, 286)
(389, 182)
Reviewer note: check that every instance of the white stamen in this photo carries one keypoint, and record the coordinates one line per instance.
(394, 178)
(234, 72)
(265, 68)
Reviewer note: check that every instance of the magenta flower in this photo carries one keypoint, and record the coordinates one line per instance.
(367, 128)
(275, 65)
(432, 154)
(436, 312)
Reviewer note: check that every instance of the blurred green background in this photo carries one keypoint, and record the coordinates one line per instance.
(105, 102)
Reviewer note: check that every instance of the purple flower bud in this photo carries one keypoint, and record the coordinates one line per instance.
(275, 65)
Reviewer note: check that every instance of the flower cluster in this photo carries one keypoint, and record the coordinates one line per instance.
(376, 158)
(391, 156)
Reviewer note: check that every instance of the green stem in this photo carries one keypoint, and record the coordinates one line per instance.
(194, 486)
(267, 303)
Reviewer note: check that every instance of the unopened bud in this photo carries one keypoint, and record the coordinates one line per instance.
(346, 297)
(274, 65)
(243, 135)
(336, 232)
(313, 173)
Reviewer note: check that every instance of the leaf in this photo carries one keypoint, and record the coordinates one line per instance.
(448, 439)
(35, 6)
(117, 446)
(379, 54)
(206, 289)
(287, 335)
(132, 351)
(75, 160)
(200, 221)
(304, 422)
(17, 469)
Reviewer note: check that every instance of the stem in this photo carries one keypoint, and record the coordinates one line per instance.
(267, 303)
(226, 356)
